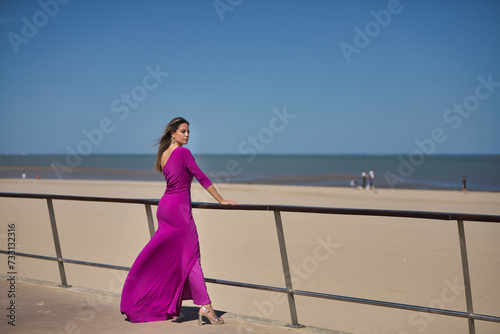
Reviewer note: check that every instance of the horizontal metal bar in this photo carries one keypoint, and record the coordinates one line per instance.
(41, 257)
(81, 198)
(397, 305)
(94, 264)
(245, 285)
(485, 317)
(281, 208)
(355, 212)
(382, 303)
(84, 263)
(295, 292)
(357, 300)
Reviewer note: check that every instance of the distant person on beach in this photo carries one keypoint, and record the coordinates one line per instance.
(363, 176)
(353, 183)
(371, 173)
(464, 185)
(168, 269)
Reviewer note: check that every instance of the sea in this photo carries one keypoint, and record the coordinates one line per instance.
(444, 172)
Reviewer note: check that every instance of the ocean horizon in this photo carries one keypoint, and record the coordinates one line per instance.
(443, 171)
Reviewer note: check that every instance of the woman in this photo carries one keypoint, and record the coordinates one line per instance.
(363, 175)
(168, 269)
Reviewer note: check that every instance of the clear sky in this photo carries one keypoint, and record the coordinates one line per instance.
(274, 76)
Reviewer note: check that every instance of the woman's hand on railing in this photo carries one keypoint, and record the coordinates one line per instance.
(211, 189)
(229, 202)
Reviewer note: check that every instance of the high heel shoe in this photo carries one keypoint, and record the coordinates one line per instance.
(218, 321)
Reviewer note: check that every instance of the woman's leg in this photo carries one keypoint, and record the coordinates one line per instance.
(199, 292)
(198, 287)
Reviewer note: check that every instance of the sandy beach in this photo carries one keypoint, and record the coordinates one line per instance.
(400, 260)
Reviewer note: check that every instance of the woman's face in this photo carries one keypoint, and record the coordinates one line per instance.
(181, 136)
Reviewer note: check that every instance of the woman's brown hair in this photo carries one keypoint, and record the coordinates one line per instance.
(166, 139)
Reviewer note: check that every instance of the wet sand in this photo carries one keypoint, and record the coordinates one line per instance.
(401, 260)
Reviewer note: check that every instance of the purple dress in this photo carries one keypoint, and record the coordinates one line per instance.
(168, 269)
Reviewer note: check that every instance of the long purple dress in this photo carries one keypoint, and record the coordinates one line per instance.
(168, 269)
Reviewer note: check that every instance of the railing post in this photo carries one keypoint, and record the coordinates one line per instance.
(465, 268)
(57, 245)
(151, 225)
(286, 271)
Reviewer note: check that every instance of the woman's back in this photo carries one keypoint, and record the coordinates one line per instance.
(180, 169)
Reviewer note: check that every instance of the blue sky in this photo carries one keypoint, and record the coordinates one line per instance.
(327, 77)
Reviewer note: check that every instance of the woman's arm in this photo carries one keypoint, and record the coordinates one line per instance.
(202, 178)
(211, 189)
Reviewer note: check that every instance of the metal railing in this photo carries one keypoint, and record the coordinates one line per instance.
(277, 209)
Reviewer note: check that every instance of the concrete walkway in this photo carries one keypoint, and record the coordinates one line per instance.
(42, 307)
